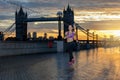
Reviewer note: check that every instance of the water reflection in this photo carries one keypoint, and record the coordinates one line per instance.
(91, 56)
(93, 64)
(103, 62)
(65, 71)
(96, 55)
(87, 56)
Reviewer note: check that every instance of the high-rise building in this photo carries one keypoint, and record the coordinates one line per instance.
(21, 26)
(45, 36)
(34, 35)
(29, 35)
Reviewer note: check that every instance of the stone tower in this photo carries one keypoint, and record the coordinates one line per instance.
(21, 26)
(68, 18)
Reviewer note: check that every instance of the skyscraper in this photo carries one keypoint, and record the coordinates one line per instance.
(34, 35)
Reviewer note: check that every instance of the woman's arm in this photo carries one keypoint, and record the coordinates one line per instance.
(75, 36)
(65, 35)
(74, 27)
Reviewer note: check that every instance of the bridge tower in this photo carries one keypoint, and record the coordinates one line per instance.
(68, 18)
(21, 26)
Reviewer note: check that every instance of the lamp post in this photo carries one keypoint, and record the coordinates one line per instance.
(87, 36)
(93, 37)
(96, 40)
(59, 14)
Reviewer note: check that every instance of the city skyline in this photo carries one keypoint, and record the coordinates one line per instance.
(95, 15)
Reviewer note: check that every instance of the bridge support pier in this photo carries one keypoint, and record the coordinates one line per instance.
(59, 25)
(93, 41)
(87, 44)
(60, 46)
(96, 40)
(59, 29)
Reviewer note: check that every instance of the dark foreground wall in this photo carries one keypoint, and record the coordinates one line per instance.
(18, 48)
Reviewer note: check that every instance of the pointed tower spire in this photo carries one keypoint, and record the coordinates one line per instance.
(21, 10)
(68, 5)
(69, 8)
(64, 8)
(16, 12)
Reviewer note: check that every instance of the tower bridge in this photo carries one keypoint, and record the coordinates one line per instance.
(21, 20)
(67, 16)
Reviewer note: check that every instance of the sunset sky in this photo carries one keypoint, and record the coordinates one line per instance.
(101, 16)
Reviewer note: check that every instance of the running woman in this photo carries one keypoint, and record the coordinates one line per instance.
(70, 35)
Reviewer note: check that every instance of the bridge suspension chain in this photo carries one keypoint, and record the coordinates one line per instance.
(9, 29)
(6, 30)
(19, 5)
(84, 30)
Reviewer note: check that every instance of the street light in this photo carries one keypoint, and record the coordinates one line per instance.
(59, 13)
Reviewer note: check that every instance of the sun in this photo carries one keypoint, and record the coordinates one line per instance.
(116, 32)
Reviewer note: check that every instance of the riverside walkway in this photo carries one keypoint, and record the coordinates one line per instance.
(94, 64)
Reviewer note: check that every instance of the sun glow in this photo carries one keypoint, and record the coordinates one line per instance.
(109, 32)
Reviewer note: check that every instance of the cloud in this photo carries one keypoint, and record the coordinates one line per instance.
(6, 17)
(95, 3)
(102, 25)
(36, 4)
(38, 8)
(44, 27)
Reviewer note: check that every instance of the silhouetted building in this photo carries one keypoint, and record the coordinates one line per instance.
(68, 17)
(21, 26)
(1, 36)
(34, 35)
(51, 38)
(29, 35)
(45, 36)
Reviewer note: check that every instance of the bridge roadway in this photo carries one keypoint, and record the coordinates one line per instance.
(94, 64)
(43, 19)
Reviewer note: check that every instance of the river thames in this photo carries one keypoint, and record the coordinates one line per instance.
(93, 64)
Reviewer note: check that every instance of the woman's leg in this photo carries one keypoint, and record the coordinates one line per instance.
(70, 52)
(70, 56)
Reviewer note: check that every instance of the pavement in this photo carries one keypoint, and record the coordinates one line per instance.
(94, 64)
